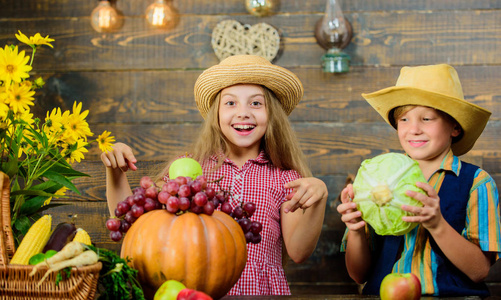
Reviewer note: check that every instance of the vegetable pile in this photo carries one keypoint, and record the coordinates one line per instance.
(379, 189)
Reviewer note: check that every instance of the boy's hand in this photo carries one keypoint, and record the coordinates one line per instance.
(348, 210)
(306, 192)
(120, 156)
(429, 215)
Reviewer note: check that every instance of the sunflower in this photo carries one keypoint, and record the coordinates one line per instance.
(75, 124)
(105, 141)
(58, 193)
(35, 40)
(53, 124)
(76, 151)
(13, 65)
(20, 97)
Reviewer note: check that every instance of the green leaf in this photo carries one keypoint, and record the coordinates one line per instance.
(22, 224)
(67, 170)
(33, 205)
(62, 180)
(31, 193)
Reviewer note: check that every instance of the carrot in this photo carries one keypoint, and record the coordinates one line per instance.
(70, 250)
(88, 257)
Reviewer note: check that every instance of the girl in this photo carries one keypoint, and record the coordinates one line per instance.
(248, 141)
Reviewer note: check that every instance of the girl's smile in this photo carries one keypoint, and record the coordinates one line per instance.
(243, 118)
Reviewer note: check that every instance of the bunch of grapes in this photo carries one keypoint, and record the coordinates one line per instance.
(242, 213)
(178, 196)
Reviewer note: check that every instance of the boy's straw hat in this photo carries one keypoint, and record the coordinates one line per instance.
(435, 86)
(251, 69)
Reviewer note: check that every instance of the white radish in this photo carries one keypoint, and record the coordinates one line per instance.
(88, 257)
(70, 250)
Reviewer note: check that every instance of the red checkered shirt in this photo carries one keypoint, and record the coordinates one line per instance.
(262, 183)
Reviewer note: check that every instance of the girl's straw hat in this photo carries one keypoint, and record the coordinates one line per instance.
(251, 69)
(435, 86)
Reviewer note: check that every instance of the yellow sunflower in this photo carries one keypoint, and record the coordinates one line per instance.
(20, 97)
(53, 124)
(13, 65)
(76, 153)
(105, 141)
(35, 40)
(58, 193)
(75, 124)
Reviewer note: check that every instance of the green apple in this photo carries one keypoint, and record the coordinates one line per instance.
(187, 167)
(169, 290)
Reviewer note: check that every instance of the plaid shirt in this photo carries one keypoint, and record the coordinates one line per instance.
(483, 226)
(262, 183)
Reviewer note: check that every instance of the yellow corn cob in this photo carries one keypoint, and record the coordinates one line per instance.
(34, 241)
(82, 236)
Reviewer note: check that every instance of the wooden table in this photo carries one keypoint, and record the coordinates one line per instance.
(344, 297)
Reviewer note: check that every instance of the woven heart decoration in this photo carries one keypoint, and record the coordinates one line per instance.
(229, 37)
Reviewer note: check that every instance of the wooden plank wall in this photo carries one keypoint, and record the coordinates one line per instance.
(138, 84)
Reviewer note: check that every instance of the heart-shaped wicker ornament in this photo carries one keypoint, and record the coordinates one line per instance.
(229, 38)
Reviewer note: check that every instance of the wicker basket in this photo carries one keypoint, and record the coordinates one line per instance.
(15, 282)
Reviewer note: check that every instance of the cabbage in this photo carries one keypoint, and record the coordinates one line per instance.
(379, 189)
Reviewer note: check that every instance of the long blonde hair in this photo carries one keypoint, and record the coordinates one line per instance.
(279, 143)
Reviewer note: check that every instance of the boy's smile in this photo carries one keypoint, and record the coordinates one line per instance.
(243, 117)
(425, 134)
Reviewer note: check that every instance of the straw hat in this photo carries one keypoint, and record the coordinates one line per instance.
(251, 69)
(435, 86)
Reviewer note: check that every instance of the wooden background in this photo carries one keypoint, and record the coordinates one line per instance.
(138, 84)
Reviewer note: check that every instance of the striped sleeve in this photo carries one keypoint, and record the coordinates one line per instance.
(483, 225)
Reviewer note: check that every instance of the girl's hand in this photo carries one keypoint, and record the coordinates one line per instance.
(429, 215)
(306, 192)
(120, 156)
(348, 210)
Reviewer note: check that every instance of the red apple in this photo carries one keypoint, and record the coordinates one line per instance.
(398, 286)
(190, 294)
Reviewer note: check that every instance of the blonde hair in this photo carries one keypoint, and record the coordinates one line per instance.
(279, 142)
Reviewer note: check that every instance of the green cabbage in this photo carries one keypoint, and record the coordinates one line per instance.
(379, 189)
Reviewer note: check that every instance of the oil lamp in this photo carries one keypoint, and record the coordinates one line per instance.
(260, 8)
(333, 32)
(105, 18)
(160, 14)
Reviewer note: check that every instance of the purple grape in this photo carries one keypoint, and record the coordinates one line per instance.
(256, 238)
(137, 210)
(139, 199)
(116, 236)
(200, 198)
(129, 217)
(172, 205)
(184, 191)
(245, 224)
(196, 187)
(249, 208)
(124, 226)
(248, 236)
(208, 208)
(113, 224)
(184, 203)
(172, 187)
(163, 196)
(237, 213)
(256, 227)
(226, 208)
(150, 204)
(123, 207)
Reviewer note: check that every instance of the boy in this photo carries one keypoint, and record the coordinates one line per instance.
(458, 234)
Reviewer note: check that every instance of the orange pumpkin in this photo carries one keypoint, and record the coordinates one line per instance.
(205, 253)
